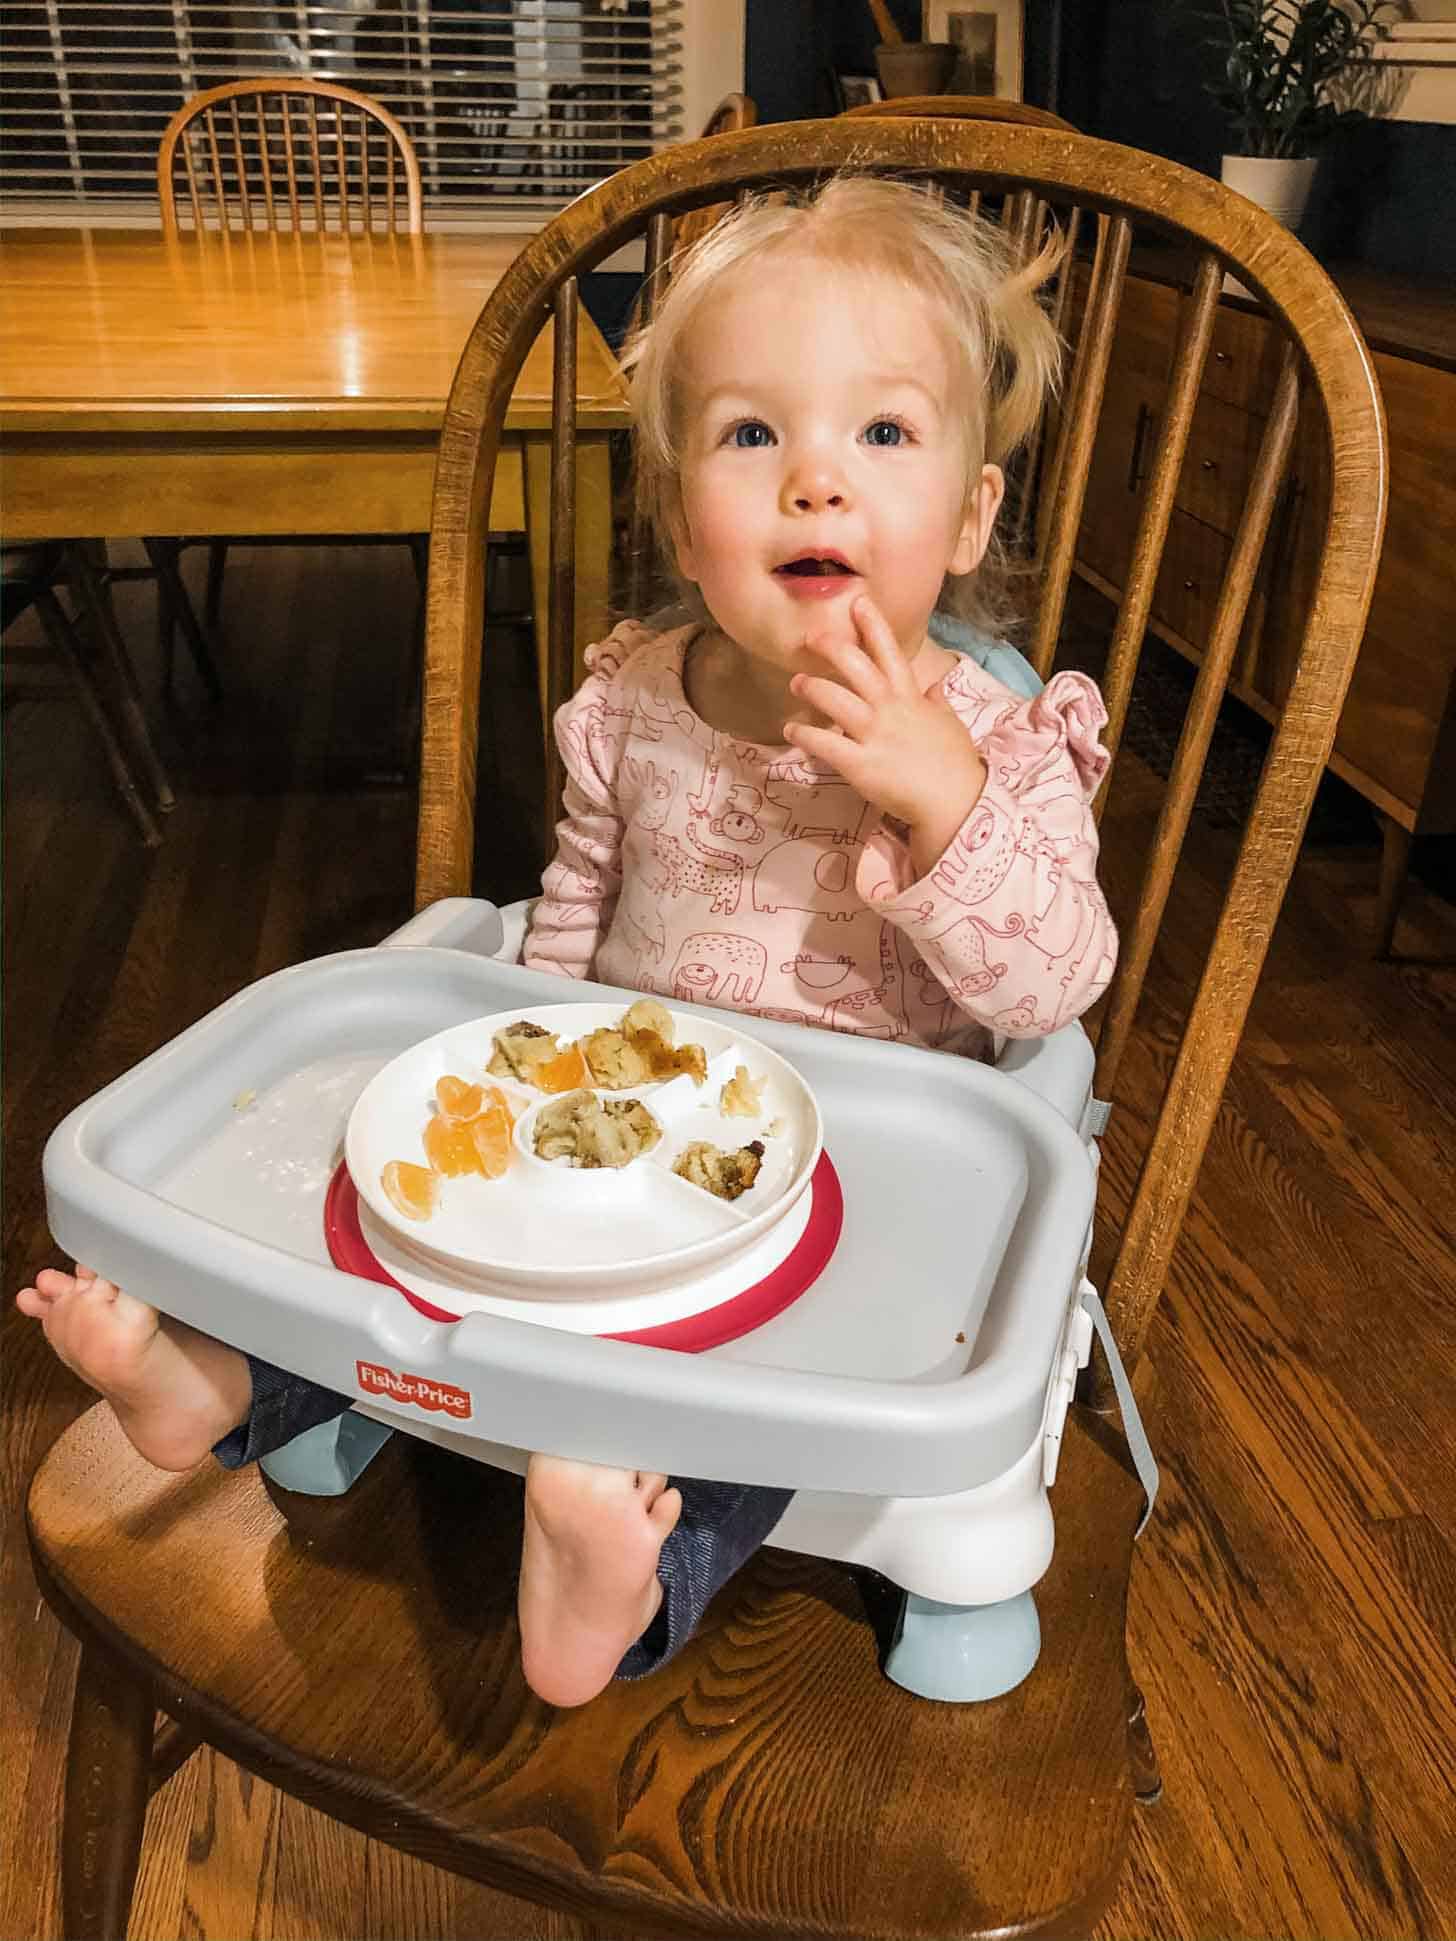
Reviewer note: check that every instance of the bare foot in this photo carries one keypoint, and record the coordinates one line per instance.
(589, 1584)
(175, 1392)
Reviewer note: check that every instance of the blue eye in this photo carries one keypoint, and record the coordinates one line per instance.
(751, 435)
(885, 432)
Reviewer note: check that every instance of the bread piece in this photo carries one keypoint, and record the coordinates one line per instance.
(613, 1061)
(648, 1015)
(742, 1096)
(588, 1131)
(725, 1175)
(520, 1049)
(638, 1053)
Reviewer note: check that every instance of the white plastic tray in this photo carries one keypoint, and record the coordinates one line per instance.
(917, 1364)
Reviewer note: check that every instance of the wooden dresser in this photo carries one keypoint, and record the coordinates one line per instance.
(1397, 737)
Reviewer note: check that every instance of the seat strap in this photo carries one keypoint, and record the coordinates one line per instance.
(1139, 1448)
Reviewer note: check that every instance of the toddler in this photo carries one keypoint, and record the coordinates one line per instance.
(797, 804)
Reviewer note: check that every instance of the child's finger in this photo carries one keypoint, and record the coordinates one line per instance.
(826, 744)
(85, 1273)
(31, 1301)
(851, 663)
(878, 641)
(834, 701)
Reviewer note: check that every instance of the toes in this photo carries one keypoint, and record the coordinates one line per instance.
(665, 1511)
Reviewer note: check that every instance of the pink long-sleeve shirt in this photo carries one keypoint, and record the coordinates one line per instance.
(713, 870)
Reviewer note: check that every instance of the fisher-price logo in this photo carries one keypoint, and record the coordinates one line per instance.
(436, 1397)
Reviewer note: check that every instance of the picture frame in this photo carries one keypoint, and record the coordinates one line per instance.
(855, 90)
(989, 37)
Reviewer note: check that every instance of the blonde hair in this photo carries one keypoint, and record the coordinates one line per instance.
(963, 265)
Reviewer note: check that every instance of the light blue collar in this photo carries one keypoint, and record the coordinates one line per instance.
(998, 658)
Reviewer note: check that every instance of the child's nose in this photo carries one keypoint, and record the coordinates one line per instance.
(814, 488)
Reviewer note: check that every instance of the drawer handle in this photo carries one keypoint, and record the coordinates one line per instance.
(1209, 465)
(1190, 586)
(1220, 357)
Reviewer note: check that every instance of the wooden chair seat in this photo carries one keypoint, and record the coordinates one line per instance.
(362, 1652)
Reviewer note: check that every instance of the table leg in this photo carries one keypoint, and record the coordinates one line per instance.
(1394, 870)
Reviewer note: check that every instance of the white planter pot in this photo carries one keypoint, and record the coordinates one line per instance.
(1279, 185)
(1282, 187)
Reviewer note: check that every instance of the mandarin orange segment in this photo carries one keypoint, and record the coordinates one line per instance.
(490, 1134)
(458, 1098)
(449, 1148)
(414, 1190)
(567, 1072)
(494, 1096)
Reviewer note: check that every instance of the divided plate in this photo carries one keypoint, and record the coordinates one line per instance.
(550, 1231)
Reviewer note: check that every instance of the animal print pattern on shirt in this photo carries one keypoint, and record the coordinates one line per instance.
(718, 871)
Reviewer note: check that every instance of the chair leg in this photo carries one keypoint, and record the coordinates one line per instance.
(108, 1782)
(62, 637)
(90, 591)
(1147, 1777)
(216, 567)
(1395, 855)
(174, 595)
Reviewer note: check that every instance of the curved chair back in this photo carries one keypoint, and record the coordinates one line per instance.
(962, 107)
(283, 154)
(1325, 365)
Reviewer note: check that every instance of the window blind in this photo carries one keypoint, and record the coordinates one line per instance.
(514, 106)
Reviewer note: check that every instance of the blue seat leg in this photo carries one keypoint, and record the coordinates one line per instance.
(964, 1652)
(326, 1460)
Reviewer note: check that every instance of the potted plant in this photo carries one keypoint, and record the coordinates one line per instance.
(1294, 71)
(909, 66)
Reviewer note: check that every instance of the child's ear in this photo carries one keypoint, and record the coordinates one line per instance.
(981, 509)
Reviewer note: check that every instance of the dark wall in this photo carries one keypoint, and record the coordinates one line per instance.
(1133, 71)
(1130, 71)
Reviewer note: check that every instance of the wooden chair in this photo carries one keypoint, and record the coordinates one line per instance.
(89, 644)
(362, 1652)
(278, 154)
(287, 156)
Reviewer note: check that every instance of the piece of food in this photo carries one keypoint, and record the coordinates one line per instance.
(414, 1190)
(490, 1135)
(648, 1015)
(564, 1073)
(640, 1050)
(725, 1175)
(588, 1131)
(742, 1096)
(449, 1147)
(457, 1098)
(520, 1049)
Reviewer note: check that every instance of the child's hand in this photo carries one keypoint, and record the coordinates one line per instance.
(904, 750)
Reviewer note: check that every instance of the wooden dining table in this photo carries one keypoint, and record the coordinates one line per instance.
(263, 384)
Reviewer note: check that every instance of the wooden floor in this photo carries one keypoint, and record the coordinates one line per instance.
(1293, 1620)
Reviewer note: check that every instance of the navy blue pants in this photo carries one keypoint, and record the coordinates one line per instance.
(721, 1525)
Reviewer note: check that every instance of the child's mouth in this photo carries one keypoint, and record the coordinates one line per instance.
(815, 576)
